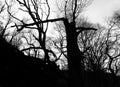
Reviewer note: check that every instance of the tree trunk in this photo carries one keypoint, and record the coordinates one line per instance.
(74, 56)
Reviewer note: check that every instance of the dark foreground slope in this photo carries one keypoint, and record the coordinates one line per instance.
(18, 70)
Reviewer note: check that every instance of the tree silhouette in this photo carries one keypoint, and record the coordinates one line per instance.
(84, 45)
(38, 22)
(25, 70)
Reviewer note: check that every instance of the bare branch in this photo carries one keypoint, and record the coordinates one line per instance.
(44, 21)
(2, 8)
(30, 48)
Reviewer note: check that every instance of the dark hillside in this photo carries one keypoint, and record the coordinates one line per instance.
(18, 70)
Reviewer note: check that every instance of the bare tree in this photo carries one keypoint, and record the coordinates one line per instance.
(40, 20)
(105, 48)
(33, 8)
(113, 44)
(71, 10)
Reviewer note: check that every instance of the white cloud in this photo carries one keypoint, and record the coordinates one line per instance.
(100, 9)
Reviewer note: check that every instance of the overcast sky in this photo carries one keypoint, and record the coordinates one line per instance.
(99, 10)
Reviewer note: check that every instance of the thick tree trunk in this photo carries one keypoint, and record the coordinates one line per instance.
(74, 56)
(74, 64)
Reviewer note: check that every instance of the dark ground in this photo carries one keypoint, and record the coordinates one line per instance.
(18, 70)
